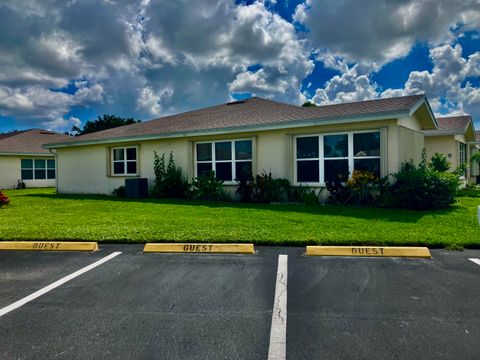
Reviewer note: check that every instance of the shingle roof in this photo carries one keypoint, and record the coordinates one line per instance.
(12, 133)
(453, 123)
(29, 141)
(249, 113)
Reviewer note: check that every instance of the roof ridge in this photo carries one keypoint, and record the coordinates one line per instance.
(370, 100)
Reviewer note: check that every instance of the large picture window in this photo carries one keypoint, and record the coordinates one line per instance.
(330, 157)
(228, 159)
(124, 161)
(38, 169)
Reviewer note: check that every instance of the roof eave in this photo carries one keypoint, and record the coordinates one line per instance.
(239, 129)
(26, 154)
(442, 132)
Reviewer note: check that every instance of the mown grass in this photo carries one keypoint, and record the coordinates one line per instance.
(40, 214)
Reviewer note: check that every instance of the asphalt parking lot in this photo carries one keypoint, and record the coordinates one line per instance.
(216, 306)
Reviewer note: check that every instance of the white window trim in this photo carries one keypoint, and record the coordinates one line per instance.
(33, 168)
(321, 159)
(233, 160)
(125, 161)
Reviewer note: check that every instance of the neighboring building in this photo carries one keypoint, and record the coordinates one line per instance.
(305, 145)
(475, 165)
(23, 158)
(453, 138)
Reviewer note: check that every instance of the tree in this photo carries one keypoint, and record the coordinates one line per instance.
(308, 104)
(102, 123)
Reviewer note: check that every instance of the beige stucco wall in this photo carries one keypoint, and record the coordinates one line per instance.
(411, 144)
(449, 146)
(446, 145)
(10, 173)
(85, 169)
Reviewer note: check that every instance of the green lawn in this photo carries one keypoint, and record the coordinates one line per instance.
(36, 214)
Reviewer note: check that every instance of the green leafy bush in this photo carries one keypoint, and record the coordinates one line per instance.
(340, 194)
(4, 200)
(362, 185)
(120, 191)
(262, 188)
(268, 189)
(439, 162)
(422, 187)
(303, 194)
(169, 179)
(246, 186)
(207, 187)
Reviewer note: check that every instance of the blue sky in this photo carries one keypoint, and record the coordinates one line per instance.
(63, 63)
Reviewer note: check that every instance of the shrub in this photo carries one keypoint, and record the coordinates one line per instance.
(422, 187)
(207, 187)
(262, 188)
(439, 162)
(246, 186)
(169, 179)
(268, 189)
(303, 194)
(361, 185)
(4, 200)
(339, 193)
(120, 191)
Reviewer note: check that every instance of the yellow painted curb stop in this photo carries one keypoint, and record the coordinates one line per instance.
(385, 251)
(198, 248)
(49, 245)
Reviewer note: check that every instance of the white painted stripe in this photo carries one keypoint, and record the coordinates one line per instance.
(56, 284)
(476, 261)
(278, 332)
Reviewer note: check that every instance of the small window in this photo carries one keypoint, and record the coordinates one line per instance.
(37, 169)
(124, 161)
(228, 159)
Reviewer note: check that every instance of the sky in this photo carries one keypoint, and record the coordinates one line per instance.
(64, 62)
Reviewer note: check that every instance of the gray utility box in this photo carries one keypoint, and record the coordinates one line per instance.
(136, 188)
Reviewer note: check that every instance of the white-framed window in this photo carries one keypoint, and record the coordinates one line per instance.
(462, 155)
(124, 160)
(38, 169)
(328, 157)
(229, 159)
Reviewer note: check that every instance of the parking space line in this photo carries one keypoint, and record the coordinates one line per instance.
(56, 284)
(278, 332)
(476, 261)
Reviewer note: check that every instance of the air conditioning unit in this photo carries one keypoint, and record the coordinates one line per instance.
(136, 188)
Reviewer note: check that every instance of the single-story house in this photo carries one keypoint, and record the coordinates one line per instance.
(454, 138)
(23, 158)
(307, 145)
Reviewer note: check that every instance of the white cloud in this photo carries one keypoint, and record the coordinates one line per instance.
(443, 85)
(352, 85)
(143, 58)
(61, 124)
(447, 86)
(384, 30)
